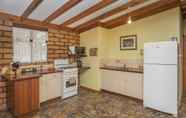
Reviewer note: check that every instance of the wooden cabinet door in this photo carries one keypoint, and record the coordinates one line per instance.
(22, 96)
(34, 93)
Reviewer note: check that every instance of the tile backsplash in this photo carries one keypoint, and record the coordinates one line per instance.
(132, 63)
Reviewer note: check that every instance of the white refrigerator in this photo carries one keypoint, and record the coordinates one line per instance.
(161, 76)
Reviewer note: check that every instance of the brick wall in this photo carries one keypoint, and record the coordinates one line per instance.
(58, 41)
(6, 52)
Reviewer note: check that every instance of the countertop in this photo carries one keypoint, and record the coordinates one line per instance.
(31, 75)
(36, 75)
(114, 68)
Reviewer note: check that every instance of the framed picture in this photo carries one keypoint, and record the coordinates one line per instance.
(128, 42)
(93, 52)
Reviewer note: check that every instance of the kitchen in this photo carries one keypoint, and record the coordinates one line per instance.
(94, 70)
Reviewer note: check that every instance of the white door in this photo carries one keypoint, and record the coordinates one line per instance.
(160, 53)
(160, 87)
(43, 89)
(54, 85)
(134, 85)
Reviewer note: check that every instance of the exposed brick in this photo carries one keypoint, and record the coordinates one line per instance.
(8, 34)
(1, 22)
(7, 56)
(7, 23)
(5, 39)
(5, 61)
(1, 33)
(5, 28)
(7, 45)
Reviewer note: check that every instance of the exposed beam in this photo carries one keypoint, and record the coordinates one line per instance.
(149, 10)
(182, 4)
(29, 23)
(88, 27)
(62, 9)
(123, 7)
(31, 8)
(89, 11)
(143, 12)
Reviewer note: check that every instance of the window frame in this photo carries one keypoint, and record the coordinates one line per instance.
(31, 39)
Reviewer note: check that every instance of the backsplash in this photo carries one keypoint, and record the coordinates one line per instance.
(132, 63)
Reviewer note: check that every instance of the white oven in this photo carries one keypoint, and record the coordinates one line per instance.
(70, 77)
(70, 82)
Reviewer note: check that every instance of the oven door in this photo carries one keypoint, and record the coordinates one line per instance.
(70, 84)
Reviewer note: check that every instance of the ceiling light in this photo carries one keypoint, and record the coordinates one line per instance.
(129, 20)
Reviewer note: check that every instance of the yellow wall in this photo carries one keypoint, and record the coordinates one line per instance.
(155, 28)
(159, 27)
(90, 77)
(94, 38)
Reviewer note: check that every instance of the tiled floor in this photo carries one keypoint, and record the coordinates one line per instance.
(98, 105)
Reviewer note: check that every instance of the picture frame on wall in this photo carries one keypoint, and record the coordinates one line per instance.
(93, 51)
(128, 42)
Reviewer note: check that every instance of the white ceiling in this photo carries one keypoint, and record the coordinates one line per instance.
(98, 13)
(85, 4)
(15, 7)
(46, 8)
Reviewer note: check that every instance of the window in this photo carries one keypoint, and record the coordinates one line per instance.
(29, 45)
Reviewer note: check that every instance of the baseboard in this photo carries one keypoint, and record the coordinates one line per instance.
(90, 89)
(133, 98)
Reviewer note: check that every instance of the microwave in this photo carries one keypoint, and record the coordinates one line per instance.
(80, 51)
(77, 50)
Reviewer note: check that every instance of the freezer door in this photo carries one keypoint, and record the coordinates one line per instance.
(160, 88)
(160, 53)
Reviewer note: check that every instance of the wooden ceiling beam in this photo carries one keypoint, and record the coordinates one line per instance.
(123, 7)
(29, 23)
(62, 9)
(31, 8)
(136, 15)
(89, 11)
(143, 12)
(88, 27)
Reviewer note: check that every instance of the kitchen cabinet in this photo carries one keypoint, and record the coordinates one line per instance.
(50, 86)
(134, 85)
(126, 83)
(23, 96)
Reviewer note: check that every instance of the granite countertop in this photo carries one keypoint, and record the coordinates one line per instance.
(30, 75)
(37, 74)
(114, 68)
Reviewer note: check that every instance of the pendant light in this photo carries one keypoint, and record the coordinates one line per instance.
(129, 20)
